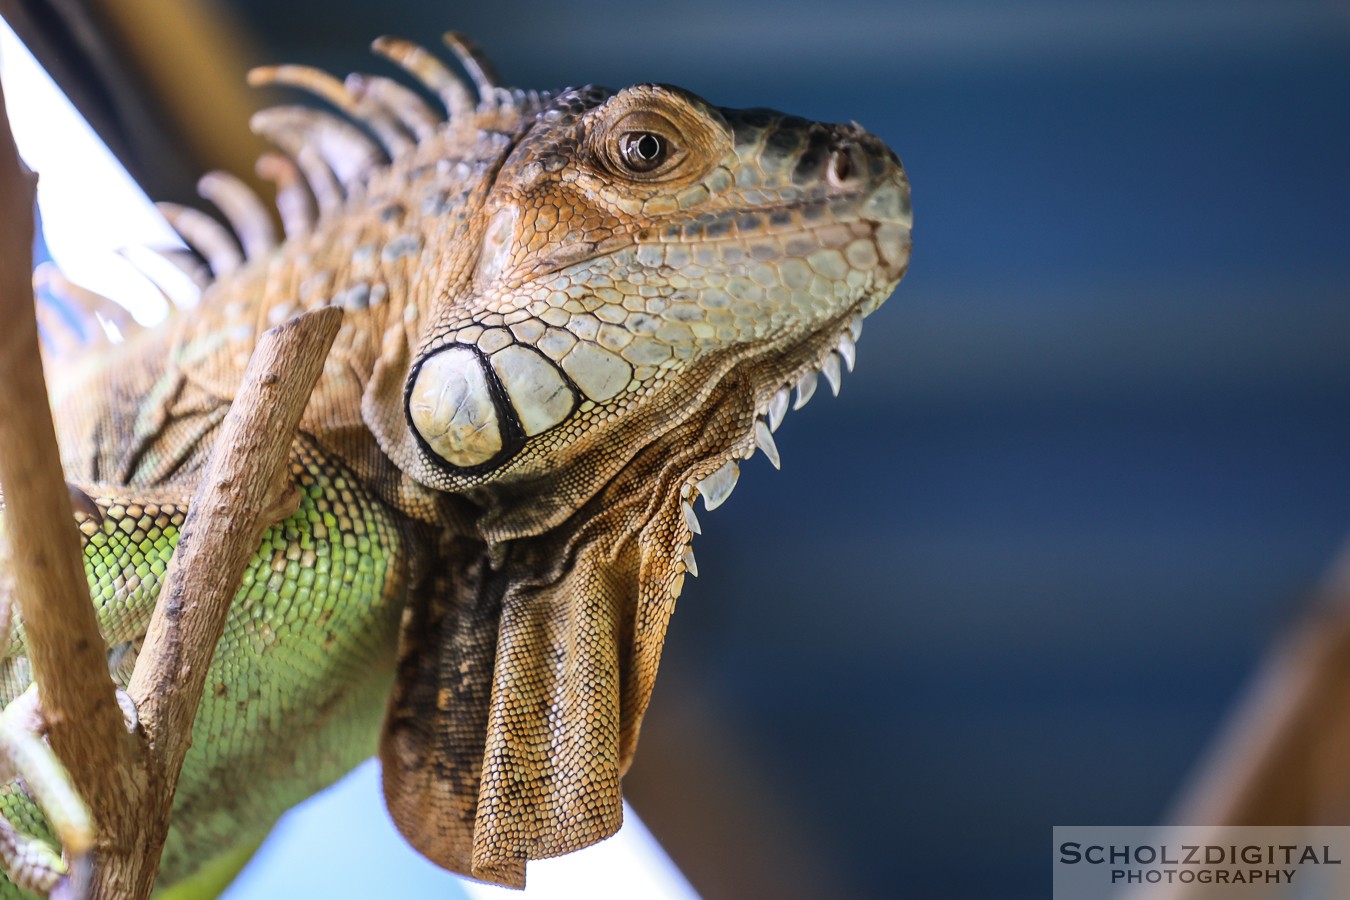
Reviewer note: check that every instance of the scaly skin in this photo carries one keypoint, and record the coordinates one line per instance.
(567, 317)
(310, 638)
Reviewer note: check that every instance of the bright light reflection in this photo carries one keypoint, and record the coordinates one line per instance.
(347, 829)
(90, 206)
(93, 213)
(628, 865)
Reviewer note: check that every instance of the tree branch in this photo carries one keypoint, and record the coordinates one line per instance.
(129, 784)
(69, 660)
(245, 489)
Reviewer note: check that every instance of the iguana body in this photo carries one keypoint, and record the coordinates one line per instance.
(567, 317)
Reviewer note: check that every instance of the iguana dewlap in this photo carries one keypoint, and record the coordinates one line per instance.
(568, 316)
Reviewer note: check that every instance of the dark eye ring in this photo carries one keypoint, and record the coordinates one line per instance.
(643, 151)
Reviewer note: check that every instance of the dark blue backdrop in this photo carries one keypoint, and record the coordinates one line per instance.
(1095, 454)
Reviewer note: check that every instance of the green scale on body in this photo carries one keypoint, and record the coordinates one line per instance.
(308, 650)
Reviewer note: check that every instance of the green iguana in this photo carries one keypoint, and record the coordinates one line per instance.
(569, 315)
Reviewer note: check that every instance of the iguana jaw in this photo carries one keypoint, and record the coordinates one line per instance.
(754, 383)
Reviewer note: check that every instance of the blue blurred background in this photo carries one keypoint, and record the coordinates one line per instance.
(1094, 457)
(1093, 460)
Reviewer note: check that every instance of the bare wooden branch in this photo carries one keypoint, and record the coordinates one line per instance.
(240, 495)
(68, 655)
(1265, 767)
(1280, 760)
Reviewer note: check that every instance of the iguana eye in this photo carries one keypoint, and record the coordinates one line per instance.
(642, 151)
(647, 135)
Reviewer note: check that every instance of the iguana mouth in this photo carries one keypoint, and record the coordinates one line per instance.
(796, 240)
(884, 206)
(837, 340)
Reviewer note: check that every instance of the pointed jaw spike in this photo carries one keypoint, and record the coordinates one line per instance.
(847, 350)
(690, 565)
(830, 369)
(806, 388)
(717, 487)
(764, 441)
(689, 518)
(778, 407)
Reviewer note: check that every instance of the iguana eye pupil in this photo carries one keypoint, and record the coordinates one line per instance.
(642, 151)
(647, 146)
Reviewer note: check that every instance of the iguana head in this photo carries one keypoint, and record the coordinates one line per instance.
(639, 252)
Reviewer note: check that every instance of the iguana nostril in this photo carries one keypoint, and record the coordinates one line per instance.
(839, 169)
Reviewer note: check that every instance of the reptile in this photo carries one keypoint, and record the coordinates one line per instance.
(569, 315)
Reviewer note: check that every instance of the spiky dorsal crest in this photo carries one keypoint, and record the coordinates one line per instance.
(326, 158)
